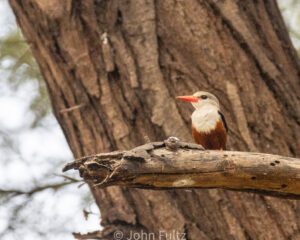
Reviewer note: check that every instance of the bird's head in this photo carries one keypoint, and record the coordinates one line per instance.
(200, 99)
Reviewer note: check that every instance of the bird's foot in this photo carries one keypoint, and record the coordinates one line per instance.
(194, 146)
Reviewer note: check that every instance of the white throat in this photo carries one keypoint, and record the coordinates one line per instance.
(205, 118)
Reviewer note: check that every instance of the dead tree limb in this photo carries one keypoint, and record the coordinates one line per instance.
(173, 164)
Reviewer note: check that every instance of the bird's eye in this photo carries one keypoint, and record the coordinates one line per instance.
(203, 97)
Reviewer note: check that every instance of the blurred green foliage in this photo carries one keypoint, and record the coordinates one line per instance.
(17, 60)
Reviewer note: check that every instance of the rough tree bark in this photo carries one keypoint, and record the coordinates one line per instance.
(113, 69)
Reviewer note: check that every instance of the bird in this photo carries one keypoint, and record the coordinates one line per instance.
(209, 127)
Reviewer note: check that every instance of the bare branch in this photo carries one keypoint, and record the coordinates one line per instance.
(16, 192)
(183, 165)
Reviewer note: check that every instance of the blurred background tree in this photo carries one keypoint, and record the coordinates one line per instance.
(26, 122)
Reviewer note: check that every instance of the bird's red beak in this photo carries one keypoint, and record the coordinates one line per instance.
(188, 98)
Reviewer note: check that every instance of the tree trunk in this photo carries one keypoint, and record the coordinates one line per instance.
(113, 69)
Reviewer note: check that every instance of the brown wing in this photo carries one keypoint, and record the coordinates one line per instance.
(214, 140)
(223, 120)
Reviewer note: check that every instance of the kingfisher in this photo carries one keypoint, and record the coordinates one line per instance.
(209, 127)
